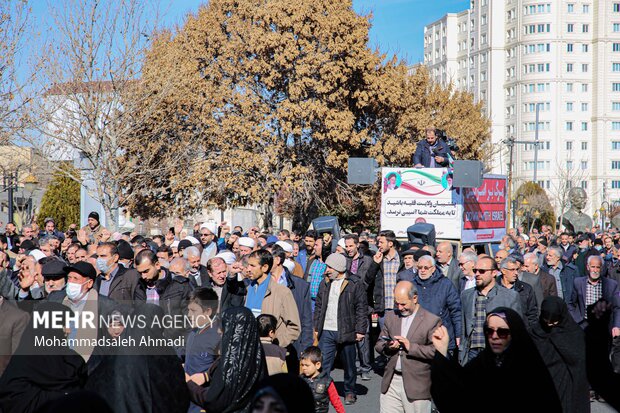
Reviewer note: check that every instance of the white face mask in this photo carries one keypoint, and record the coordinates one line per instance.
(74, 291)
(35, 285)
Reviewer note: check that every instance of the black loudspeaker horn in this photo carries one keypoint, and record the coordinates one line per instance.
(423, 232)
(328, 224)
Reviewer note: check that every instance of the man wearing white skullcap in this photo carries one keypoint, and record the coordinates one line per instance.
(208, 233)
(293, 266)
(246, 245)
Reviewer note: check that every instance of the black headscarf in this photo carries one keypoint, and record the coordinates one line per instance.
(38, 374)
(142, 378)
(520, 366)
(292, 390)
(240, 368)
(563, 350)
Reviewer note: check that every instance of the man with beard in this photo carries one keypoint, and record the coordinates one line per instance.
(305, 257)
(208, 234)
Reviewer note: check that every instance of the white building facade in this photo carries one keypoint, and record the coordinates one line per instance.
(562, 56)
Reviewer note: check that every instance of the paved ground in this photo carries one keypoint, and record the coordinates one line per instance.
(368, 395)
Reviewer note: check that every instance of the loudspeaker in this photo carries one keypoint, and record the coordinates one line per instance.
(328, 224)
(423, 232)
(362, 171)
(468, 174)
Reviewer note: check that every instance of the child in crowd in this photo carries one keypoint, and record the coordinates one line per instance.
(275, 355)
(321, 384)
(203, 342)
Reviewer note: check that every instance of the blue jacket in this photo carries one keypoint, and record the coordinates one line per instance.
(422, 153)
(437, 295)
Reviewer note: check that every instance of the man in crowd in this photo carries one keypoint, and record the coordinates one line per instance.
(406, 341)
(563, 273)
(448, 265)
(93, 231)
(307, 255)
(588, 290)
(50, 229)
(341, 319)
(508, 278)
(467, 263)
(265, 296)
(114, 281)
(547, 282)
(386, 265)
(208, 234)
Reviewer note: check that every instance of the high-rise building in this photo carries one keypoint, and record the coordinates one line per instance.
(562, 57)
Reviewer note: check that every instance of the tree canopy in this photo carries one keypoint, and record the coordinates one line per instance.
(269, 100)
(61, 199)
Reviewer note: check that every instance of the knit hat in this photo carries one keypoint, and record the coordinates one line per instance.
(337, 261)
(94, 215)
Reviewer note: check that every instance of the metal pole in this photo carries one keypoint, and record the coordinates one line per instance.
(536, 143)
(10, 195)
(509, 189)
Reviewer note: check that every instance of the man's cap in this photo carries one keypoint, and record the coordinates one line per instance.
(285, 246)
(598, 241)
(582, 238)
(125, 252)
(517, 257)
(341, 243)
(543, 241)
(420, 253)
(27, 245)
(184, 244)
(37, 254)
(228, 257)
(83, 268)
(192, 240)
(337, 261)
(409, 252)
(54, 269)
(95, 215)
(247, 242)
(211, 226)
(272, 239)
(237, 233)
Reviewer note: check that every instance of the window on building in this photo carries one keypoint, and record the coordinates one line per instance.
(483, 76)
(615, 184)
(569, 47)
(569, 87)
(569, 145)
(569, 67)
(569, 125)
(615, 67)
(569, 165)
(570, 8)
(584, 67)
(615, 106)
(585, 8)
(569, 106)
(615, 125)
(615, 146)
(584, 165)
(483, 39)
(584, 106)
(570, 27)
(584, 146)
(616, 27)
(584, 184)
(584, 48)
(615, 164)
(584, 87)
(483, 19)
(616, 7)
(615, 47)
(584, 126)
(615, 87)
(585, 28)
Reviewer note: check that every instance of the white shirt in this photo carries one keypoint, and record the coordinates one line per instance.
(331, 314)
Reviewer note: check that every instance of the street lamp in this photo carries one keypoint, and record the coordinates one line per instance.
(515, 208)
(10, 185)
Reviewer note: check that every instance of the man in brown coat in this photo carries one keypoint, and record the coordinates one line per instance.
(406, 339)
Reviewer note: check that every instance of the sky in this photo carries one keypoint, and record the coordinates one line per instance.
(398, 25)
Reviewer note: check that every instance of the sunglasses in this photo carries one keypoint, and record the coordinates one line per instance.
(482, 270)
(424, 268)
(501, 332)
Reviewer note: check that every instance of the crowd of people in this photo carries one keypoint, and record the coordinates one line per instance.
(264, 318)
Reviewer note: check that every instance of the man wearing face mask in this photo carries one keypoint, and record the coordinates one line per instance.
(80, 296)
(115, 281)
(125, 254)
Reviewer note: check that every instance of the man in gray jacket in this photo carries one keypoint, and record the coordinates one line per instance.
(477, 302)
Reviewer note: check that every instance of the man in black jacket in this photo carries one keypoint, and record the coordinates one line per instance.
(340, 319)
(158, 286)
(431, 152)
(114, 280)
(509, 279)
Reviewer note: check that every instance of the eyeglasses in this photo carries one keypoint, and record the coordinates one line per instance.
(482, 270)
(204, 235)
(462, 264)
(511, 269)
(424, 268)
(501, 332)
